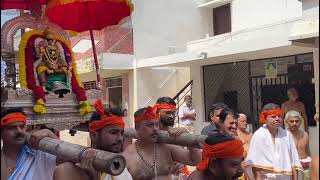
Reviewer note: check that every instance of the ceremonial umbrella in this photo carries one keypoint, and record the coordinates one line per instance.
(21, 4)
(88, 15)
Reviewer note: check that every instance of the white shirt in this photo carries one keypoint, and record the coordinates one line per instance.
(183, 111)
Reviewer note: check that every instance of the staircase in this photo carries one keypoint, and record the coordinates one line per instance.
(179, 98)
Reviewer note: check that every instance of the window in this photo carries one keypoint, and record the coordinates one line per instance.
(221, 19)
(90, 85)
(114, 86)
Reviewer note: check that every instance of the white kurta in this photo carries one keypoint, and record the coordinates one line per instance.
(278, 158)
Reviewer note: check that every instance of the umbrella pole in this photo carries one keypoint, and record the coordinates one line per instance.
(95, 60)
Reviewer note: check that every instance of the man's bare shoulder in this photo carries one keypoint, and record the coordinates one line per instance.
(305, 135)
(285, 104)
(68, 170)
(129, 151)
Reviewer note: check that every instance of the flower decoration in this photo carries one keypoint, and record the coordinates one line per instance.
(27, 57)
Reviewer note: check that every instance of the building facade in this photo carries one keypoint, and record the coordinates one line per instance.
(242, 52)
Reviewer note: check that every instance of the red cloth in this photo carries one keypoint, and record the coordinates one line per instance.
(21, 4)
(164, 106)
(264, 114)
(12, 118)
(84, 15)
(105, 120)
(149, 114)
(185, 171)
(227, 149)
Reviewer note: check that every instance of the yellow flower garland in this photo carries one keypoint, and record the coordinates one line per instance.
(85, 108)
(40, 107)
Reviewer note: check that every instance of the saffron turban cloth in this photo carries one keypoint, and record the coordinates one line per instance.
(106, 120)
(149, 114)
(156, 107)
(12, 118)
(264, 114)
(228, 149)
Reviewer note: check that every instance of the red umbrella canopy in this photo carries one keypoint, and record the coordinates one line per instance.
(21, 4)
(84, 15)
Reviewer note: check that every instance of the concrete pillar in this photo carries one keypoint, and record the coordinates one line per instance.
(125, 97)
(196, 75)
(314, 131)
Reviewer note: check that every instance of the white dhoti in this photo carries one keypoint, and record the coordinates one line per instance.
(276, 160)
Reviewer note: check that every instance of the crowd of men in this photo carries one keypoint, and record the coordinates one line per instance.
(229, 152)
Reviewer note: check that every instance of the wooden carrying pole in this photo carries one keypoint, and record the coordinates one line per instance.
(107, 162)
(185, 139)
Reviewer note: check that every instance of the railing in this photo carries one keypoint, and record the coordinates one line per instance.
(179, 98)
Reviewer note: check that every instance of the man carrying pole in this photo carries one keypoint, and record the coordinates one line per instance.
(145, 161)
(19, 160)
(106, 133)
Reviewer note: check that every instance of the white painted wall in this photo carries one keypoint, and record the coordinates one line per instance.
(160, 24)
(252, 13)
(156, 82)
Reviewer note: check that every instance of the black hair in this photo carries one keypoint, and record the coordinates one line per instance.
(217, 138)
(270, 106)
(166, 100)
(227, 111)
(140, 112)
(217, 106)
(12, 110)
(115, 111)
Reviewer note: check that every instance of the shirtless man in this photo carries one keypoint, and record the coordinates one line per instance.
(166, 107)
(294, 104)
(301, 139)
(242, 132)
(221, 159)
(106, 133)
(244, 136)
(147, 160)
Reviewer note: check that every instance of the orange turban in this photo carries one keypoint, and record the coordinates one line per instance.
(149, 114)
(227, 149)
(12, 118)
(264, 114)
(106, 120)
(164, 106)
